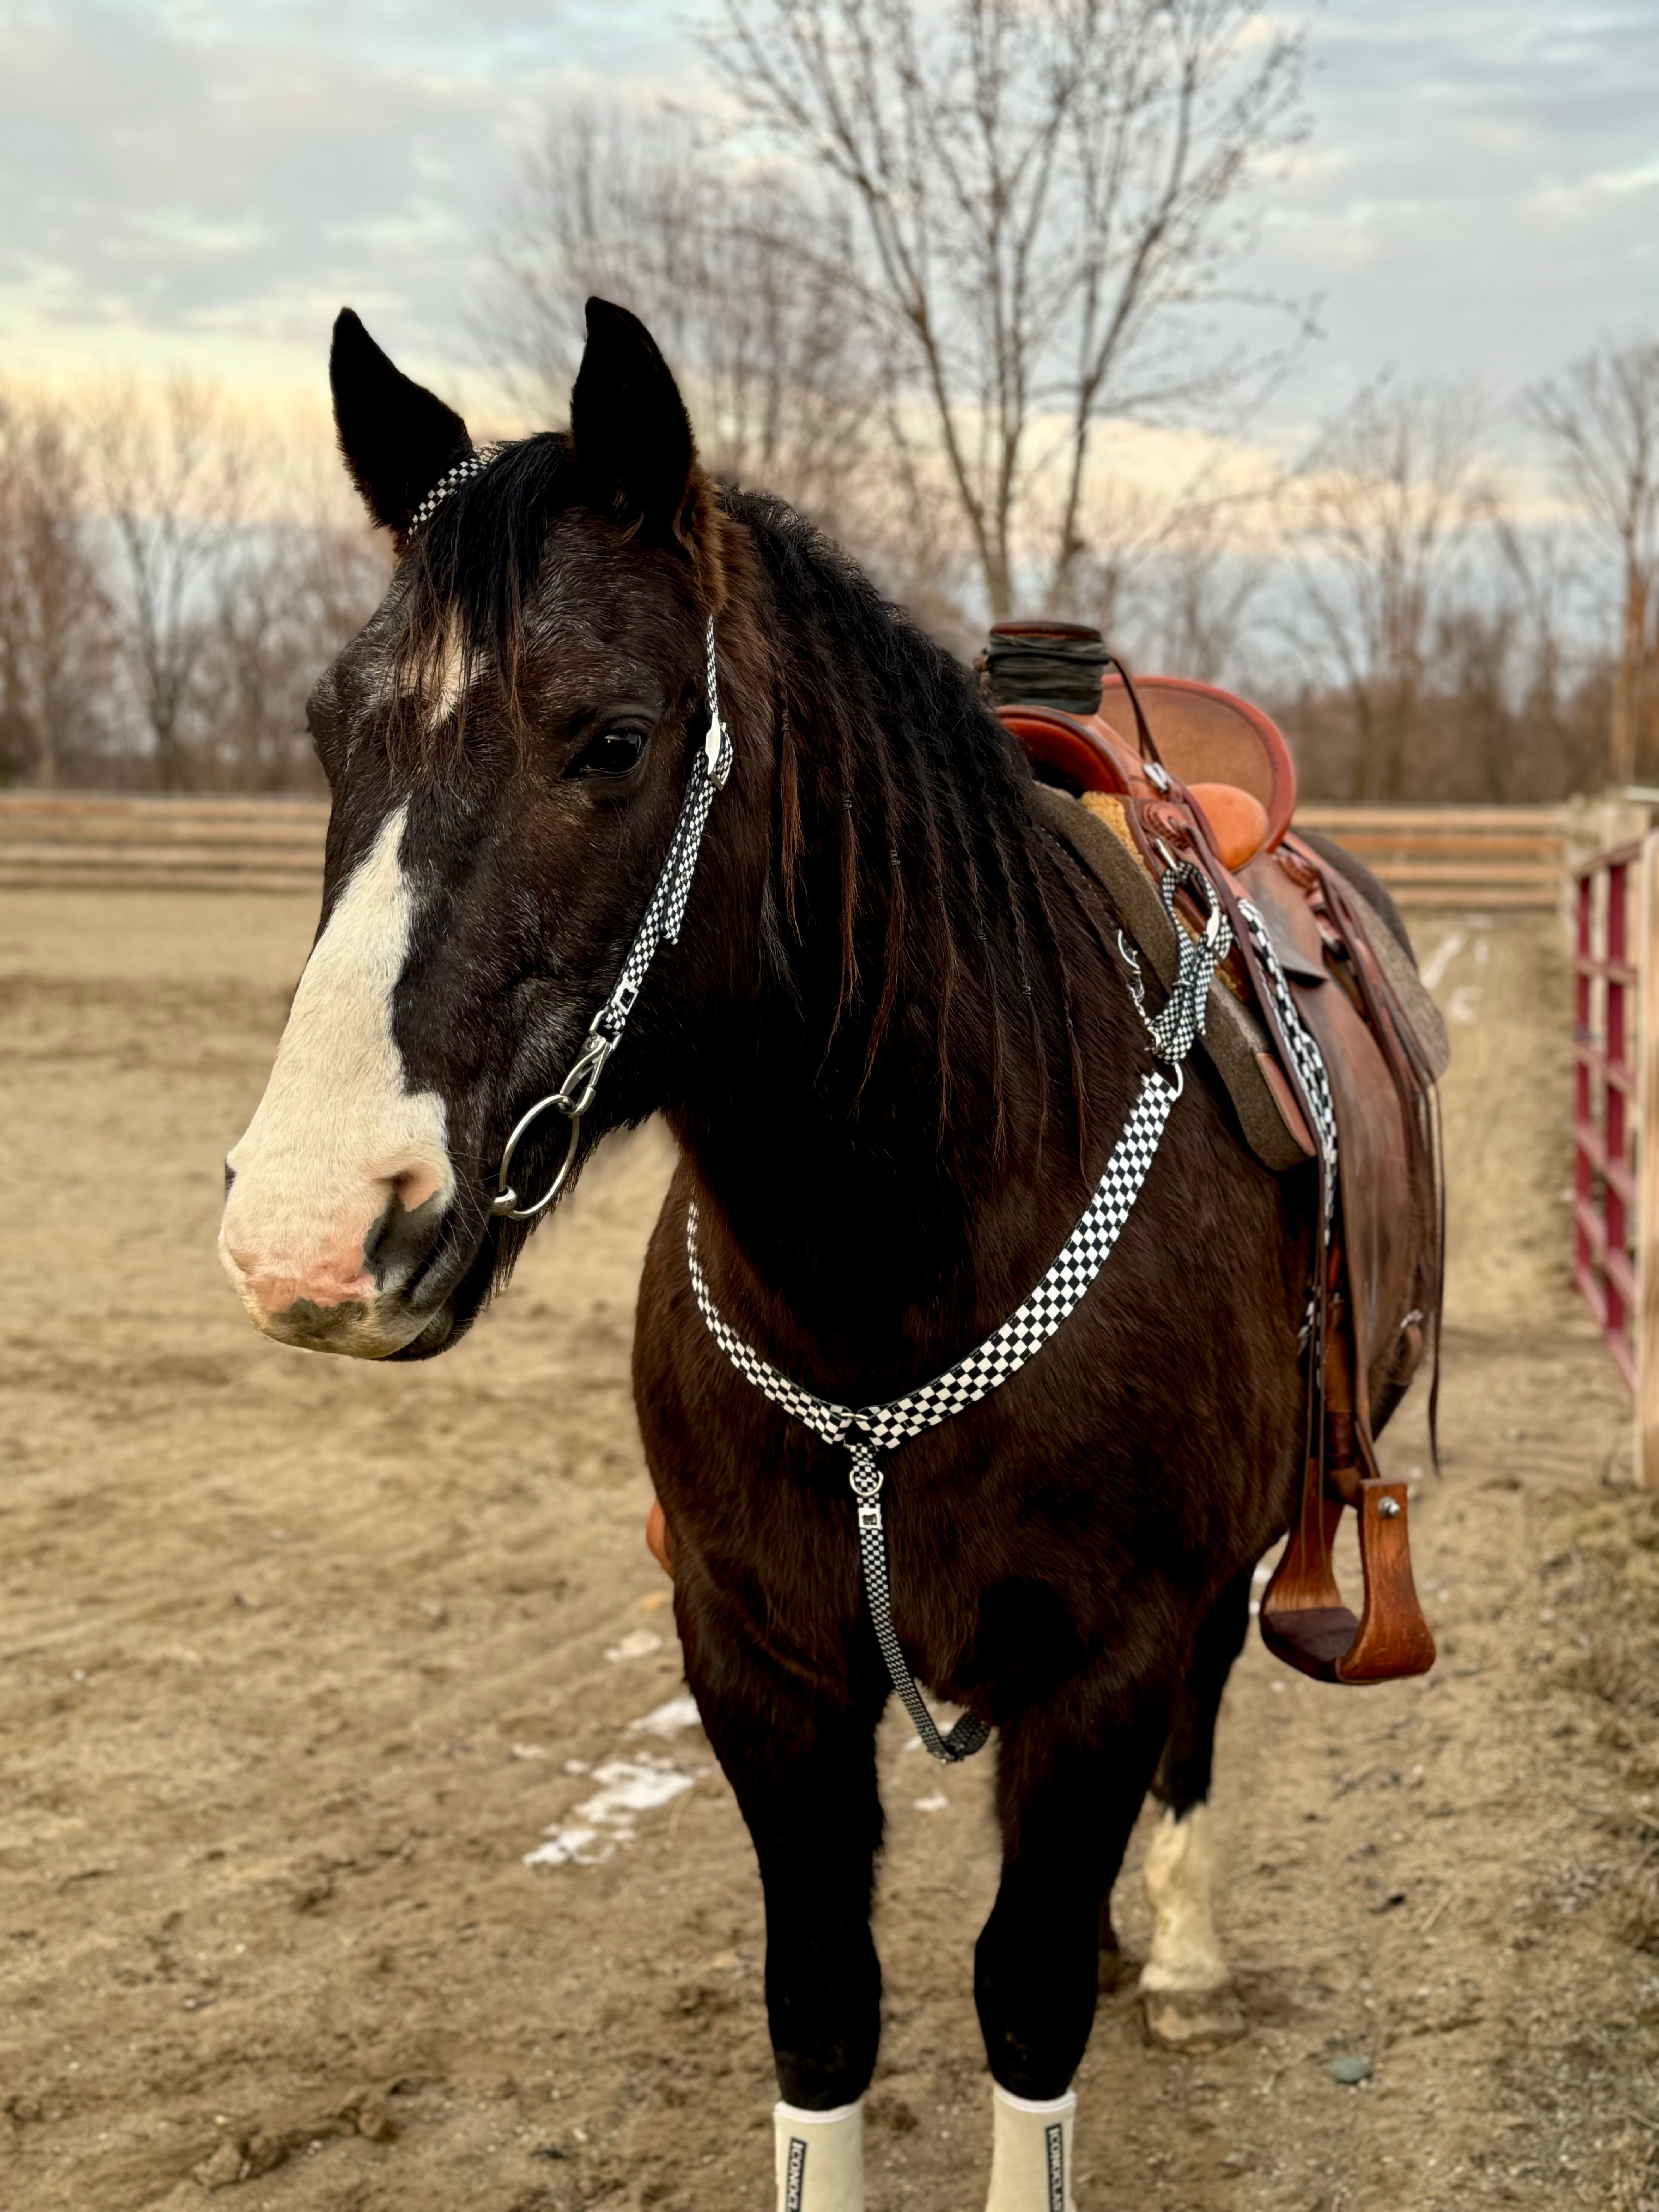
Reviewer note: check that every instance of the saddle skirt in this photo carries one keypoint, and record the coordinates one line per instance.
(1215, 785)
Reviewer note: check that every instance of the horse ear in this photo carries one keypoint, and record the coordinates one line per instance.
(396, 438)
(628, 422)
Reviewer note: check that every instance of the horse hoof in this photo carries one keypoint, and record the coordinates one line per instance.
(1192, 2020)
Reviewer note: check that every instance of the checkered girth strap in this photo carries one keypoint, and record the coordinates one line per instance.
(867, 1430)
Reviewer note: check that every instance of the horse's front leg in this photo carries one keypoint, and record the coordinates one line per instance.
(1069, 1787)
(803, 1764)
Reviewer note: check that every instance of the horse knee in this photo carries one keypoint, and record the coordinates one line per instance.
(1186, 1990)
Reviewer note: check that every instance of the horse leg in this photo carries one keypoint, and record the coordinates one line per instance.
(804, 1776)
(1066, 1805)
(1186, 1990)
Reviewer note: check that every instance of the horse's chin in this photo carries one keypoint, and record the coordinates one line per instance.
(353, 1328)
(446, 1327)
(444, 1324)
(384, 1328)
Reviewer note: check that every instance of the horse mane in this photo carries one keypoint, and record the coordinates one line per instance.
(888, 761)
(882, 733)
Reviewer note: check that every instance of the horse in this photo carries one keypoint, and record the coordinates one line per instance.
(895, 1041)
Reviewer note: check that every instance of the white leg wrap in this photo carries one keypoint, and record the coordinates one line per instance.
(820, 2159)
(1180, 1888)
(1031, 2154)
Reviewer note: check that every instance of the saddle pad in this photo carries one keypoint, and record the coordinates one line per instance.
(1233, 1040)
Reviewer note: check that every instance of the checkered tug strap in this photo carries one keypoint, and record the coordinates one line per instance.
(1304, 1050)
(867, 1431)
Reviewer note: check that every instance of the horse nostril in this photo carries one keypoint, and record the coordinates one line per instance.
(375, 1242)
(399, 1244)
(230, 1177)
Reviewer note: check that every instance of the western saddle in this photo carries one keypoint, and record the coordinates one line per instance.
(1209, 779)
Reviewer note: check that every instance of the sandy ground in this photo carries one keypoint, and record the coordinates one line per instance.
(300, 1659)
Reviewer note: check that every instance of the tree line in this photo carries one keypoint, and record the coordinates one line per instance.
(943, 276)
(170, 585)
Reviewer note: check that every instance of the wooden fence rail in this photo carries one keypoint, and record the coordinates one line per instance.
(1492, 857)
(88, 840)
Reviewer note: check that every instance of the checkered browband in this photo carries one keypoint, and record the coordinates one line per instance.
(865, 1431)
(472, 465)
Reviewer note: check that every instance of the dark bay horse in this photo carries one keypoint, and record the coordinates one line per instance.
(895, 1046)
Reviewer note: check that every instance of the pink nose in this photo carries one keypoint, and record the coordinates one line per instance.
(333, 1284)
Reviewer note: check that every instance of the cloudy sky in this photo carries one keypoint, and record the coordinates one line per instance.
(201, 183)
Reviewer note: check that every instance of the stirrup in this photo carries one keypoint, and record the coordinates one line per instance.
(1303, 1621)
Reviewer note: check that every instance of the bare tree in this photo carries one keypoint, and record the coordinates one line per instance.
(1378, 511)
(1169, 577)
(173, 481)
(55, 616)
(1206, 590)
(1045, 195)
(739, 275)
(281, 606)
(1601, 417)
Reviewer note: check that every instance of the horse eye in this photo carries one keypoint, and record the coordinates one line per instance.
(615, 752)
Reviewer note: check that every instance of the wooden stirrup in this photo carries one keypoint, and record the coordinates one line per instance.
(1303, 1619)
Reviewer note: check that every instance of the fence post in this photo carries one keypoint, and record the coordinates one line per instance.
(1645, 953)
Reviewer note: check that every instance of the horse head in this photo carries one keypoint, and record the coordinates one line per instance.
(508, 744)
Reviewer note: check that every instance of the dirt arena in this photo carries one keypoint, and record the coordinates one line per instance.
(302, 1659)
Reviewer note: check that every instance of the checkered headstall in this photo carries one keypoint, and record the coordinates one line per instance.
(472, 464)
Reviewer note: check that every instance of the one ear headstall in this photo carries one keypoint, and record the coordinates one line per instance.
(471, 465)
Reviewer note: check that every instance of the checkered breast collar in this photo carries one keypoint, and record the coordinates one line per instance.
(867, 1432)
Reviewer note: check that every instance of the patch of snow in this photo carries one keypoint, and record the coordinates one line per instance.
(638, 1643)
(1434, 970)
(669, 1720)
(594, 1829)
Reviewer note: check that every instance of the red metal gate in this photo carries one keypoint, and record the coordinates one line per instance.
(1613, 896)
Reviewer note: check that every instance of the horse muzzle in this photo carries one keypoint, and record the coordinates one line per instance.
(365, 1292)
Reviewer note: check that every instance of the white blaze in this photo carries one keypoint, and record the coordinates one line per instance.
(336, 1133)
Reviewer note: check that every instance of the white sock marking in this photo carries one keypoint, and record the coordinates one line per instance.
(1180, 1877)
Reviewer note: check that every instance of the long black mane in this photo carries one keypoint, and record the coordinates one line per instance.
(894, 774)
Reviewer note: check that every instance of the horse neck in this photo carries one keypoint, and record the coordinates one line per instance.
(860, 1203)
